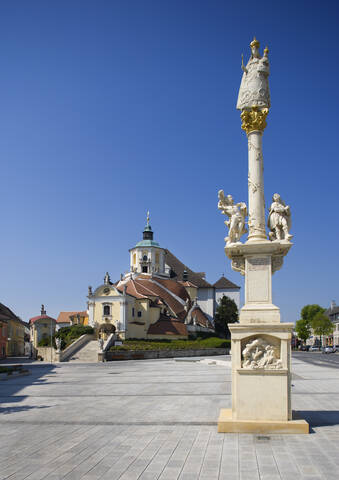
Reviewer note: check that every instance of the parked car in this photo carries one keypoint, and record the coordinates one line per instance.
(314, 348)
(304, 348)
(328, 349)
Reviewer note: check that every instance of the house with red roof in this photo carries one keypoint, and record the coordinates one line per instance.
(41, 327)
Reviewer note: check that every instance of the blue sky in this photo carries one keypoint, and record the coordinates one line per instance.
(112, 108)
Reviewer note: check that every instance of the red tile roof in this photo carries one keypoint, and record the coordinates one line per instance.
(167, 326)
(40, 317)
(161, 291)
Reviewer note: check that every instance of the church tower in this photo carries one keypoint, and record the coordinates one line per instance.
(147, 256)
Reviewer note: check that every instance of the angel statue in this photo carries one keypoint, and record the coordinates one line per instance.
(279, 219)
(237, 213)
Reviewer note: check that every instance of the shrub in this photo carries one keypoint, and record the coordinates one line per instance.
(46, 342)
(200, 343)
(69, 334)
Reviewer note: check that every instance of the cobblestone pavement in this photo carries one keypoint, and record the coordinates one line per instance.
(156, 419)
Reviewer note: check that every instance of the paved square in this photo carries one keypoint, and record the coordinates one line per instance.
(156, 419)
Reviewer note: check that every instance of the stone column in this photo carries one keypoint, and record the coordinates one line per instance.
(254, 123)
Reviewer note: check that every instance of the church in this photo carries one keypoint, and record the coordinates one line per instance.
(158, 298)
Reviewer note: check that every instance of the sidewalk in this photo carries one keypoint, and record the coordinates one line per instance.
(156, 419)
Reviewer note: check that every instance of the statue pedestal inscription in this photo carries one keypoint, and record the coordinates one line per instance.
(261, 344)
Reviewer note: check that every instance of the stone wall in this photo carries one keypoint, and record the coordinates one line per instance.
(149, 354)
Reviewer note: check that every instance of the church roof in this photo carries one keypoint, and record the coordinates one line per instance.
(200, 318)
(178, 268)
(148, 243)
(167, 326)
(223, 282)
(169, 292)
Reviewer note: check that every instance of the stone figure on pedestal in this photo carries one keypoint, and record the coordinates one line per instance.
(279, 219)
(237, 214)
(254, 89)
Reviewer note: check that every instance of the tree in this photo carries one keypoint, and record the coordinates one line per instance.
(322, 325)
(308, 312)
(304, 325)
(227, 312)
(303, 329)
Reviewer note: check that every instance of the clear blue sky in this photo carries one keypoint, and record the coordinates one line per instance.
(110, 108)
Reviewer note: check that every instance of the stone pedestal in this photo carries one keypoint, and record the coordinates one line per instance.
(261, 397)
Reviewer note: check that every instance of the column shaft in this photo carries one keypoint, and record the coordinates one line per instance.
(256, 200)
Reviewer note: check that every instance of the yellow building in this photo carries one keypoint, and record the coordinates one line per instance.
(41, 327)
(15, 345)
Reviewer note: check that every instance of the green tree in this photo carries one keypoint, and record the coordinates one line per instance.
(227, 312)
(303, 329)
(308, 312)
(322, 325)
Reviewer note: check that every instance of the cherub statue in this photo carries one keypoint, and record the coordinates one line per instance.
(279, 219)
(237, 213)
(254, 89)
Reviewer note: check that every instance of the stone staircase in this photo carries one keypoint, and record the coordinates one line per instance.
(88, 353)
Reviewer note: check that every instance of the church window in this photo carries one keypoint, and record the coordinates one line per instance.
(145, 258)
(107, 310)
(139, 314)
(144, 269)
(134, 258)
(157, 258)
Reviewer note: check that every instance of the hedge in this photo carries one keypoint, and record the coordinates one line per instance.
(201, 343)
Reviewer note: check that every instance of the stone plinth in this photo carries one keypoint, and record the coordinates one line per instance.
(261, 397)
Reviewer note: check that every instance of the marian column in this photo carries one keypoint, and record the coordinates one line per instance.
(261, 344)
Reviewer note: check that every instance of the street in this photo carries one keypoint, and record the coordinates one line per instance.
(330, 360)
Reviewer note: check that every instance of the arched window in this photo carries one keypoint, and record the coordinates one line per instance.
(145, 258)
(107, 310)
(134, 258)
(157, 257)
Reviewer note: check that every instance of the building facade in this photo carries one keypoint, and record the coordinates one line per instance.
(15, 332)
(42, 327)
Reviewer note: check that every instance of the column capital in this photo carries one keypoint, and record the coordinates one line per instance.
(254, 119)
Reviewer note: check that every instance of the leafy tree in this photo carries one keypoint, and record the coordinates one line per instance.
(308, 312)
(303, 329)
(227, 312)
(304, 325)
(322, 325)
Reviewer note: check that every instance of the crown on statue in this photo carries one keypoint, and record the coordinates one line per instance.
(255, 43)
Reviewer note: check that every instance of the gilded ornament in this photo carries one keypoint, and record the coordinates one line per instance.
(254, 119)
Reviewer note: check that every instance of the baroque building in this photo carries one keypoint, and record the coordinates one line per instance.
(159, 297)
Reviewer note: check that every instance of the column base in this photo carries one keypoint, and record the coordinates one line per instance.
(226, 424)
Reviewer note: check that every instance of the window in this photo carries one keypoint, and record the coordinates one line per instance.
(157, 258)
(107, 310)
(134, 258)
(139, 314)
(133, 312)
(145, 258)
